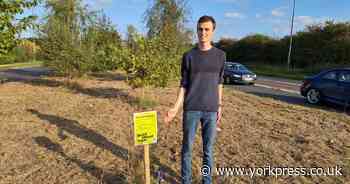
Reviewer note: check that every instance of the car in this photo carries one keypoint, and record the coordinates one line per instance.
(238, 73)
(329, 86)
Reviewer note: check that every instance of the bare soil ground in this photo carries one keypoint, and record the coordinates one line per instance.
(54, 131)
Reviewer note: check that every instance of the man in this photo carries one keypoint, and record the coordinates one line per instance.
(201, 94)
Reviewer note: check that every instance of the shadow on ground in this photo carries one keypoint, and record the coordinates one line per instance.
(32, 76)
(94, 92)
(33, 72)
(73, 127)
(99, 173)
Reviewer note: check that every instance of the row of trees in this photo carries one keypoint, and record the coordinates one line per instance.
(12, 49)
(318, 46)
(75, 40)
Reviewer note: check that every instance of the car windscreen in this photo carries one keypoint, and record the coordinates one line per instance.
(241, 68)
(229, 67)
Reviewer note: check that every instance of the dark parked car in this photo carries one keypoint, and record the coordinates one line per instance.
(331, 86)
(238, 73)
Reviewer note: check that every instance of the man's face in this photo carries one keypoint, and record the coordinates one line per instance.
(205, 31)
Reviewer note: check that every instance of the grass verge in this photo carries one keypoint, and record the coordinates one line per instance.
(277, 71)
(20, 65)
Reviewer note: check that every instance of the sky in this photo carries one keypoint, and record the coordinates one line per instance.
(235, 18)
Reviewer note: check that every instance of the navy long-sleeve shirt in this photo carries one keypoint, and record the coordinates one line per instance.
(201, 73)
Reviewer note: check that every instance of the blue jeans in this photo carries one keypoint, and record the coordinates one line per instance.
(190, 124)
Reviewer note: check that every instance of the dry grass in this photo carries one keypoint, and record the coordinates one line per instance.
(54, 131)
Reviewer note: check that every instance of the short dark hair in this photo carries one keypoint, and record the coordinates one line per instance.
(206, 18)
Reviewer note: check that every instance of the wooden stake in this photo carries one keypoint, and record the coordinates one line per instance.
(147, 164)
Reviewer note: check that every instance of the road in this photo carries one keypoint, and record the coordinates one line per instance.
(280, 89)
(291, 86)
(24, 73)
(273, 90)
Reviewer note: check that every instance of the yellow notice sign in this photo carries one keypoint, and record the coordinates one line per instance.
(145, 127)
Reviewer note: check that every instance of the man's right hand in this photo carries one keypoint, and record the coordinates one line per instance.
(170, 115)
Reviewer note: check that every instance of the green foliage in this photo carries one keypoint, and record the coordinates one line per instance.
(101, 39)
(280, 71)
(130, 40)
(168, 18)
(323, 45)
(9, 28)
(317, 47)
(153, 62)
(7, 59)
(61, 45)
(75, 40)
(25, 51)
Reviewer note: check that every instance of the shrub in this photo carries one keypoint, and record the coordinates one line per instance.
(7, 59)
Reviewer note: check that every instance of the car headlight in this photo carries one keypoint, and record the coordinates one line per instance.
(235, 75)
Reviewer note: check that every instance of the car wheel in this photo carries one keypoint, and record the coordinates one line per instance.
(313, 96)
(227, 80)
